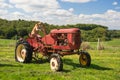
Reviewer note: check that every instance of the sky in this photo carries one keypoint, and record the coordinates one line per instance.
(62, 12)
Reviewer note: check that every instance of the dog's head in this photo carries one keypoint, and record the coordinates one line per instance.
(40, 26)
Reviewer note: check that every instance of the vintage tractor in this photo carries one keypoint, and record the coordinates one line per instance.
(56, 44)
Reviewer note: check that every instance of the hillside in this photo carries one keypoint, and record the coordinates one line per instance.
(21, 28)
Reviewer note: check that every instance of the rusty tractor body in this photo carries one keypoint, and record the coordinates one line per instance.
(58, 43)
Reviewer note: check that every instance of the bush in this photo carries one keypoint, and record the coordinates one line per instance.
(85, 45)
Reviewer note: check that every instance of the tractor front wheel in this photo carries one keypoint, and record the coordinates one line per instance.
(56, 62)
(84, 59)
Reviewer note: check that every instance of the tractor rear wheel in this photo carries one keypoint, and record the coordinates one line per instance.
(85, 59)
(23, 52)
(56, 63)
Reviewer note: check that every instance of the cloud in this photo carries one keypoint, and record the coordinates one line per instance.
(42, 9)
(77, 1)
(35, 5)
(71, 9)
(110, 18)
(4, 5)
(18, 13)
(51, 12)
(3, 12)
(57, 12)
(114, 3)
(2, 0)
(62, 12)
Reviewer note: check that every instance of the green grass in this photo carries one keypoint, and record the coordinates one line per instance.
(105, 65)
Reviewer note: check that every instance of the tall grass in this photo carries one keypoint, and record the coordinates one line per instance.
(7, 43)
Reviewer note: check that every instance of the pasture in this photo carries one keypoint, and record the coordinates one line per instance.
(105, 64)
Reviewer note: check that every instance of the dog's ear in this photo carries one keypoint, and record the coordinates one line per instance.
(39, 23)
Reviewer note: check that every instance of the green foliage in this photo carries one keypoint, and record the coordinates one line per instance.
(89, 32)
(89, 26)
(9, 29)
(114, 33)
(10, 32)
(22, 32)
(94, 34)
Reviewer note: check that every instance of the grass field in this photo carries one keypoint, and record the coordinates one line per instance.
(105, 65)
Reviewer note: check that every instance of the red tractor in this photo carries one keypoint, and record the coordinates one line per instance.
(56, 44)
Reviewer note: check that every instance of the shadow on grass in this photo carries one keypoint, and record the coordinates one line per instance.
(97, 67)
(66, 71)
(10, 65)
(40, 61)
(71, 63)
(77, 65)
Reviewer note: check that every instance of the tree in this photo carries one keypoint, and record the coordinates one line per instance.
(22, 32)
(89, 32)
(10, 32)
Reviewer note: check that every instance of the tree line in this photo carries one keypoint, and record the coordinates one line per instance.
(89, 32)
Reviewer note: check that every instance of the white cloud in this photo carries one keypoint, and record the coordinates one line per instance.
(35, 5)
(45, 10)
(4, 5)
(42, 8)
(51, 12)
(16, 16)
(19, 1)
(3, 12)
(2, 0)
(78, 1)
(110, 18)
(62, 12)
(114, 3)
(71, 9)
(18, 13)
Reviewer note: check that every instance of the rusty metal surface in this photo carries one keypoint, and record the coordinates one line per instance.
(56, 41)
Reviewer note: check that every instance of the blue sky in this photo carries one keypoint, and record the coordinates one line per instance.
(94, 7)
(103, 12)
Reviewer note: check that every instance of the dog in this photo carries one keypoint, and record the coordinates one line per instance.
(38, 27)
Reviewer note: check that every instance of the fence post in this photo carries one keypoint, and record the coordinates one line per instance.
(98, 44)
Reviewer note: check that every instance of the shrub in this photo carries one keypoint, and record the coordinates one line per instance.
(85, 45)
